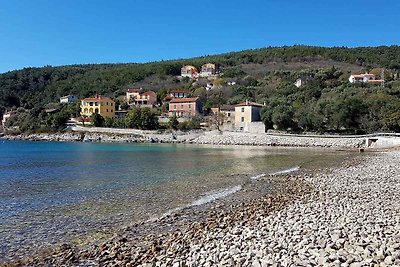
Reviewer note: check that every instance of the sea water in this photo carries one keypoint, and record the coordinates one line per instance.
(56, 192)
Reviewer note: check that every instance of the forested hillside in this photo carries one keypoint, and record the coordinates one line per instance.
(262, 75)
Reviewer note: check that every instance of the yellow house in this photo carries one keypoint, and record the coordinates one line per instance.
(99, 104)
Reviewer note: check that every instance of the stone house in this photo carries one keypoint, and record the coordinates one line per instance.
(248, 117)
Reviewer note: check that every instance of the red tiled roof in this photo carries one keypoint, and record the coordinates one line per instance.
(179, 91)
(375, 81)
(97, 97)
(149, 93)
(135, 90)
(184, 100)
(249, 104)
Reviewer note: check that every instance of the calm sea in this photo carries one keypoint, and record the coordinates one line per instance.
(54, 192)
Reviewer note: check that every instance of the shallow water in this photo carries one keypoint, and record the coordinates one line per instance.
(54, 192)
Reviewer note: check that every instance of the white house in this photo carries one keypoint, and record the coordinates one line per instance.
(303, 81)
(364, 78)
(68, 99)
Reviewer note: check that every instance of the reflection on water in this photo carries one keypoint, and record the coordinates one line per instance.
(55, 192)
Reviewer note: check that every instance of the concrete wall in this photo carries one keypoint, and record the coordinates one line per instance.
(250, 127)
(382, 142)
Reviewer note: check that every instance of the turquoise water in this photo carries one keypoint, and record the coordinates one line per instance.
(54, 192)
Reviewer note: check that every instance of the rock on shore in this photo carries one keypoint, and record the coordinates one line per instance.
(211, 138)
(352, 219)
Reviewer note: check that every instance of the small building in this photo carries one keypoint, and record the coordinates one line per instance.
(248, 117)
(189, 71)
(179, 93)
(68, 99)
(51, 110)
(99, 104)
(208, 69)
(138, 97)
(119, 114)
(303, 81)
(229, 112)
(364, 78)
(184, 107)
(6, 116)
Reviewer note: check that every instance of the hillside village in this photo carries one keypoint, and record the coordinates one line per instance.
(251, 98)
(182, 105)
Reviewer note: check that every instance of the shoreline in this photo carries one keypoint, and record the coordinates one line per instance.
(276, 187)
(200, 138)
(344, 215)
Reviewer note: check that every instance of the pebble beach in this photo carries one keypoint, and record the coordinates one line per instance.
(345, 215)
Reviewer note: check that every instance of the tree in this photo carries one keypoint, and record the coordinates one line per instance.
(173, 123)
(142, 118)
(97, 120)
(218, 119)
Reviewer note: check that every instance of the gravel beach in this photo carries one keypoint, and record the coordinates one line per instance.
(348, 215)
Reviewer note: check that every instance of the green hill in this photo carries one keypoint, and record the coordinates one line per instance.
(261, 75)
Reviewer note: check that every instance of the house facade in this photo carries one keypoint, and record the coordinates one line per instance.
(99, 104)
(6, 116)
(138, 97)
(303, 81)
(68, 99)
(184, 107)
(208, 69)
(178, 93)
(189, 71)
(364, 78)
(248, 117)
(229, 112)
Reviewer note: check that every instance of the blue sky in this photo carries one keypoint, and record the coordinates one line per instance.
(50, 32)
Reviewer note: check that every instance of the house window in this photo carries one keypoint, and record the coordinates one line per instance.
(107, 103)
(107, 110)
(91, 103)
(111, 104)
(229, 114)
(242, 119)
(174, 106)
(242, 109)
(96, 104)
(181, 106)
(190, 106)
(111, 110)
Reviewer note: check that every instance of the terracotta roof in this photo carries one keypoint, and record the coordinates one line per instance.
(227, 107)
(184, 100)
(167, 97)
(375, 81)
(209, 65)
(149, 93)
(249, 104)
(135, 90)
(179, 91)
(51, 110)
(98, 97)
